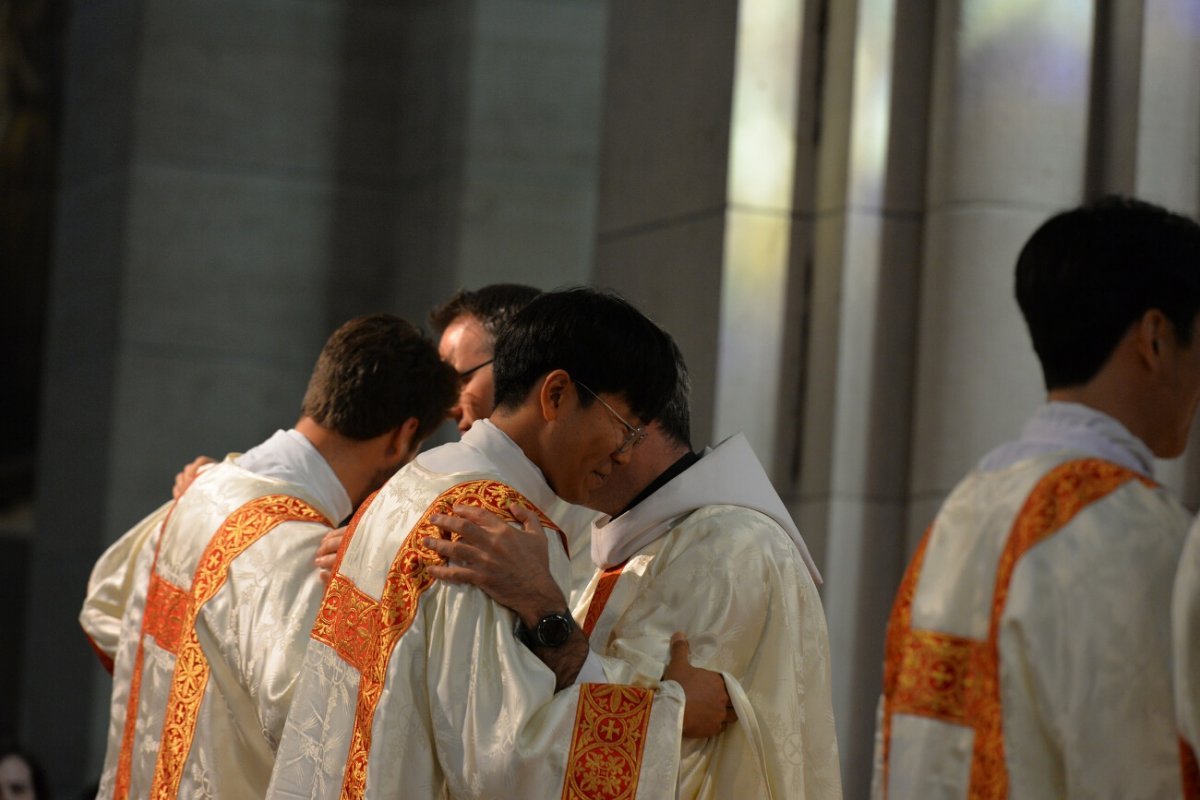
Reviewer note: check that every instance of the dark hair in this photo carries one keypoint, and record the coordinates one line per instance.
(676, 417)
(1087, 274)
(373, 374)
(598, 338)
(41, 789)
(492, 305)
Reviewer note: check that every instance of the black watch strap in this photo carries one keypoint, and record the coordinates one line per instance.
(552, 630)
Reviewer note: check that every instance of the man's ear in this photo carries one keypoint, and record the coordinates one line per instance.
(402, 439)
(1153, 336)
(553, 393)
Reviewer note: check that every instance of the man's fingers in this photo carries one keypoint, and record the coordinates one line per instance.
(325, 562)
(680, 649)
(326, 576)
(452, 574)
(481, 517)
(331, 541)
(465, 528)
(459, 552)
(527, 517)
(184, 479)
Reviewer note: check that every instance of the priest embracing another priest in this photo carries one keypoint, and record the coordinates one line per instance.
(423, 688)
(696, 543)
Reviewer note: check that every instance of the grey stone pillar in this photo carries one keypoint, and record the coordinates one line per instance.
(664, 163)
(238, 178)
(1008, 148)
(498, 139)
(227, 196)
(856, 440)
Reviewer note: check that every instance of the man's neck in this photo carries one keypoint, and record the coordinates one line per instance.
(1120, 400)
(344, 456)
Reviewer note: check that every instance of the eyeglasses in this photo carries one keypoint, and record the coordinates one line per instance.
(466, 374)
(634, 435)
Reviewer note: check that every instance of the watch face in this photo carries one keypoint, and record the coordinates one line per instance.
(553, 630)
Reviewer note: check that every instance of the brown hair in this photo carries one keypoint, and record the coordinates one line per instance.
(374, 373)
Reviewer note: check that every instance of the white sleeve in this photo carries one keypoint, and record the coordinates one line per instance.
(114, 578)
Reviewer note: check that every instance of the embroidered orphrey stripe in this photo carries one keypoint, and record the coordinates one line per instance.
(604, 590)
(241, 529)
(364, 632)
(956, 679)
(125, 756)
(166, 614)
(609, 742)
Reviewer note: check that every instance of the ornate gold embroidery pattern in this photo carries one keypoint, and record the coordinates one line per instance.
(956, 679)
(240, 530)
(609, 741)
(364, 632)
(167, 612)
(1190, 769)
(604, 590)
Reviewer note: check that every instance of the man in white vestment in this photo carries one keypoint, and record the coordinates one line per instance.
(416, 688)
(203, 610)
(1185, 629)
(703, 545)
(1028, 651)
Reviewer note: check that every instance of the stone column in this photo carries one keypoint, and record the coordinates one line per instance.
(664, 160)
(856, 441)
(1007, 149)
(498, 141)
(227, 196)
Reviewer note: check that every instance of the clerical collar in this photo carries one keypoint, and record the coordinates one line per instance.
(682, 463)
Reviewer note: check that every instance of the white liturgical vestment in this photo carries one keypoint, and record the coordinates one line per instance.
(415, 688)
(1028, 651)
(714, 553)
(203, 609)
(1185, 622)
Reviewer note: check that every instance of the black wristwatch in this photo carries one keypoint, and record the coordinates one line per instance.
(552, 630)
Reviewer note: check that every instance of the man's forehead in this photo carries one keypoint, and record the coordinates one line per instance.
(464, 333)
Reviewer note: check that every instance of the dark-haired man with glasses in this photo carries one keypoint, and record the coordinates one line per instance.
(698, 543)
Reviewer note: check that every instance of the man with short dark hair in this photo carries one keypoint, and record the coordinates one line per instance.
(417, 688)
(703, 545)
(1028, 651)
(204, 609)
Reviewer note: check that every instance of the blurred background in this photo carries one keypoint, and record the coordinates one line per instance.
(821, 199)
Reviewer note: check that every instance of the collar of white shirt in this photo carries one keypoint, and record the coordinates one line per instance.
(289, 456)
(1058, 426)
